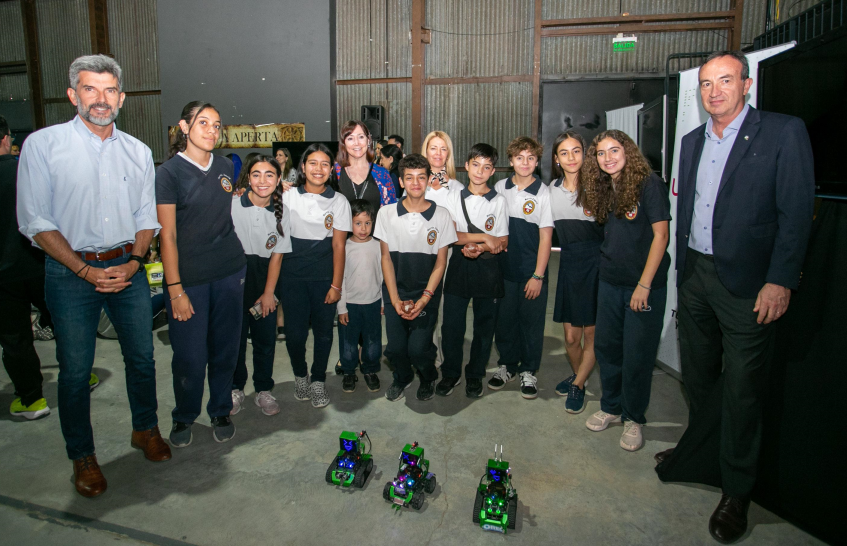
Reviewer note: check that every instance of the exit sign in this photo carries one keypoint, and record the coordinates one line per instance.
(624, 43)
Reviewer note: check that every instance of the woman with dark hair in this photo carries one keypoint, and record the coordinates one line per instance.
(580, 237)
(204, 268)
(358, 177)
(389, 160)
(632, 204)
(310, 281)
(283, 157)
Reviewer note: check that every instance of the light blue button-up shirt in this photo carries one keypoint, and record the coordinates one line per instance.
(712, 162)
(97, 193)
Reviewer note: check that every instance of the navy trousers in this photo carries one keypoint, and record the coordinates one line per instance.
(626, 344)
(207, 339)
(410, 342)
(519, 333)
(263, 337)
(365, 323)
(453, 335)
(303, 305)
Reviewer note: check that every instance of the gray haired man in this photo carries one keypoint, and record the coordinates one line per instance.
(86, 197)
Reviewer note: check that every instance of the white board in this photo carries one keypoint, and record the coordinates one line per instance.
(625, 119)
(690, 115)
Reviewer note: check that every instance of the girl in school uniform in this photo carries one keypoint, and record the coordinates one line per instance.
(580, 237)
(438, 150)
(262, 224)
(204, 271)
(312, 273)
(632, 205)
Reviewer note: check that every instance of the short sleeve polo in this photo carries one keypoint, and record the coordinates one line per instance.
(314, 216)
(627, 242)
(529, 211)
(440, 196)
(256, 227)
(414, 240)
(573, 223)
(486, 212)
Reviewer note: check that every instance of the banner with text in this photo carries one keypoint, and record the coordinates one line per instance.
(256, 136)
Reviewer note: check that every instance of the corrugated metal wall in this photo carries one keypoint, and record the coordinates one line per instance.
(13, 87)
(63, 35)
(133, 41)
(495, 38)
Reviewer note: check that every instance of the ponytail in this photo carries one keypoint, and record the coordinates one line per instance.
(178, 139)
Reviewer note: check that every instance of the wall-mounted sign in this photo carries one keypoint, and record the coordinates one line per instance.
(624, 43)
(256, 136)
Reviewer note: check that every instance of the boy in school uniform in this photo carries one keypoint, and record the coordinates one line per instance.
(519, 333)
(414, 235)
(360, 305)
(482, 227)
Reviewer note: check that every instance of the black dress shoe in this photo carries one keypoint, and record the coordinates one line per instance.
(661, 456)
(729, 520)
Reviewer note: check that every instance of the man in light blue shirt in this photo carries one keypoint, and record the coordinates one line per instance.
(86, 197)
(716, 150)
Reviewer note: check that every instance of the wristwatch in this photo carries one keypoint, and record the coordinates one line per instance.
(139, 259)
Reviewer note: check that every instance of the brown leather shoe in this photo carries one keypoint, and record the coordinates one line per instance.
(662, 455)
(88, 478)
(729, 520)
(152, 444)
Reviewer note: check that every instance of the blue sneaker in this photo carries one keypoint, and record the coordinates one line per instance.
(564, 387)
(576, 400)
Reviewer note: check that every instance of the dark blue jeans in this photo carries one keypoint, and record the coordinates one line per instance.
(626, 343)
(263, 336)
(365, 320)
(453, 335)
(519, 333)
(303, 305)
(209, 337)
(75, 306)
(410, 342)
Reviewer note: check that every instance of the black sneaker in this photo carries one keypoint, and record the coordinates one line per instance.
(528, 385)
(445, 386)
(223, 428)
(348, 384)
(426, 390)
(500, 378)
(473, 388)
(280, 333)
(338, 370)
(372, 381)
(180, 434)
(395, 391)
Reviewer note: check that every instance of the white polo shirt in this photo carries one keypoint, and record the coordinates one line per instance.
(487, 212)
(439, 196)
(529, 211)
(573, 223)
(314, 216)
(414, 240)
(256, 227)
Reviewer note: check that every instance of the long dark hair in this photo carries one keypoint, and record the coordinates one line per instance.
(395, 153)
(179, 140)
(557, 170)
(289, 163)
(342, 158)
(276, 197)
(332, 182)
(601, 197)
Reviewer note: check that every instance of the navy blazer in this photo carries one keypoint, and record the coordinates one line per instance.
(763, 213)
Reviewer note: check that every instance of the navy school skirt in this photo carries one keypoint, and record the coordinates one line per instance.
(579, 279)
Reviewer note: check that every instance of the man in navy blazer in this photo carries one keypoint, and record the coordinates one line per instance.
(744, 213)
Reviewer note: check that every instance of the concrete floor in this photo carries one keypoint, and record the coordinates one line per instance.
(267, 485)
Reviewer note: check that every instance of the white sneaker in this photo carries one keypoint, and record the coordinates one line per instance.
(631, 439)
(318, 393)
(600, 420)
(500, 378)
(237, 399)
(267, 402)
(301, 388)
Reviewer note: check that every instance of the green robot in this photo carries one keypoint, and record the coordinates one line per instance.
(496, 504)
(353, 464)
(413, 479)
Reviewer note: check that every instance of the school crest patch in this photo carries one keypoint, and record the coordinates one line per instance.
(528, 207)
(587, 213)
(431, 236)
(489, 223)
(271, 241)
(328, 221)
(632, 214)
(226, 183)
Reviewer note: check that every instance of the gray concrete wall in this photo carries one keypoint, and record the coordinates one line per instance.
(258, 61)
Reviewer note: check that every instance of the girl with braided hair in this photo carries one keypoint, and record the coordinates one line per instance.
(262, 224)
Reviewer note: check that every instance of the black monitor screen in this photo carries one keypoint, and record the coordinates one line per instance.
(810, 82)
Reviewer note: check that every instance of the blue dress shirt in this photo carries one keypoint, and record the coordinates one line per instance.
(709, 173)
(97, 193)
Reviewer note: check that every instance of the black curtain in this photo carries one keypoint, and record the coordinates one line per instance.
(802, 470)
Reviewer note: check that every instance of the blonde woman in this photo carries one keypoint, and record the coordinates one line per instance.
(438, 150)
